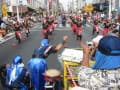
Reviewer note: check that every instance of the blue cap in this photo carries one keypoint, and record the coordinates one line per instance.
(108, 44)
(45, 42)
(17, 59)
(108, 53)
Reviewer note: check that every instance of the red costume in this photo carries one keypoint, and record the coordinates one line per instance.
(45, 29)
(79, 32)
(106, 27)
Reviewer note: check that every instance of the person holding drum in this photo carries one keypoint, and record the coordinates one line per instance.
(37, 65)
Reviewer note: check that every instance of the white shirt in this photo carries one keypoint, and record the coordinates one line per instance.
(3, 26)
(102, 15)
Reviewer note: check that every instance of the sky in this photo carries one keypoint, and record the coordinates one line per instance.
(24, 2)
(65, 3)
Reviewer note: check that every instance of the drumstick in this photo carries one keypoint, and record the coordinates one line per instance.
(70, 73)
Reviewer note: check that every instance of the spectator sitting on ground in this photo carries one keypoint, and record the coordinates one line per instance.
(104, 74)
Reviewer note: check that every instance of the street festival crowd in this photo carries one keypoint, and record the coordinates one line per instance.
(104, 49)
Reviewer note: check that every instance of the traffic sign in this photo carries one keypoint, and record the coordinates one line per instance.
(88, 8)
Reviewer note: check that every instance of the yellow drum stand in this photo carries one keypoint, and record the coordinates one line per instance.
(66, 76)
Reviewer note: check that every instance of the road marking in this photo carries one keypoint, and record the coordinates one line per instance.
(88, 25)
(2, 40)
(60, 25)
(40, 26)
(35, 30)
(37, 26)
(62, 29)
(67, 25)
(100, 28)
(58, 29)
(10, 37)
(7, 39)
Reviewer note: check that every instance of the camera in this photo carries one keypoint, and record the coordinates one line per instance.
(90, 44)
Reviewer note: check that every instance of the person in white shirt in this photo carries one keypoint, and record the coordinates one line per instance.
(3, 28)
(102, 16)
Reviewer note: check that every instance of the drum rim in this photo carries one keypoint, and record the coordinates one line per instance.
(57, 75)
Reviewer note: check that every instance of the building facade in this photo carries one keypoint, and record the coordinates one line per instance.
(35, 3)
(0, 8)
(116, 4)
(82, 3)
(24, 6)
(11, 6)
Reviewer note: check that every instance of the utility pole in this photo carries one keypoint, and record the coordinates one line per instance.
(1, 8)
(119, 3)
(57, 6)
(110, 8)
(17, 5)
(73, 6)
(20, 2)
(78, 4)
(45, 2)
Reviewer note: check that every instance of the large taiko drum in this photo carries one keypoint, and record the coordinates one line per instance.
(52, 75)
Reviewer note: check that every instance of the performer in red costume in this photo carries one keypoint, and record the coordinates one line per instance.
(107, 25)
(45, 29)
(79, 29)
(95, 27)
(74, 27)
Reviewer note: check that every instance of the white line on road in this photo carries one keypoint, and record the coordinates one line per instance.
(38, 26)
(60, 25)
(7, 39)
(67, 25)
(100, 28)
(88, 25)
(61, 29)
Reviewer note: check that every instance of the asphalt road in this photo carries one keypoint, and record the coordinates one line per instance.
(25, 49)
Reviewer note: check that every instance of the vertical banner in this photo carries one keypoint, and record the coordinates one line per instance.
(4, 10)
(50, 3)
(28, 1)
(43, 13)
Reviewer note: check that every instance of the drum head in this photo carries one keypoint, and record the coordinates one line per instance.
(52, 73)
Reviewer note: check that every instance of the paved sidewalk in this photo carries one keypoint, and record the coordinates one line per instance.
(11, 35)
(7, 37)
